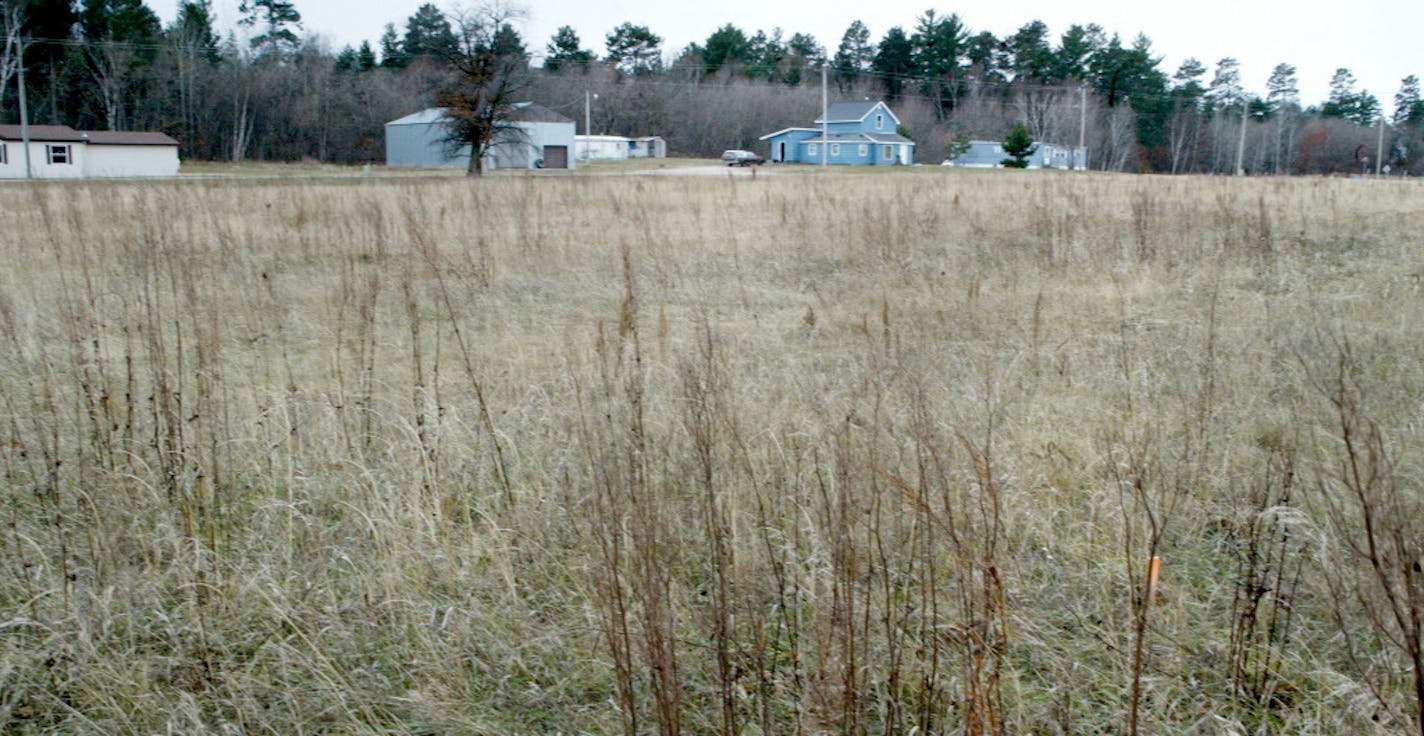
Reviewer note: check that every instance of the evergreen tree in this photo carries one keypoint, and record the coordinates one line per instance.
(986, 57)
(121, 40)
(193, 28)
(854, 56)
(508, 44)
(765, 55)
(1076, 48)
(1032, 57)
(634, 49)
(802, 53)
(937, 50)
(1226, 92)
(365, 57)
(727, 45)
(275, 20)
(1408, 106)
(1359, 107)
(894, 62)
(1282, 90)
(346, 59)
(564, 52)
(393, 55)
(428, 35)
(1019, 145)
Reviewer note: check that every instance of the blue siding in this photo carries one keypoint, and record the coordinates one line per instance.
(857, 145)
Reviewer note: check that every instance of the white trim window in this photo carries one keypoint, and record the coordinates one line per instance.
(880, 121)
(889, 153)
(4, 155)
(812, 149)
(863, 150)
(835, 149)
(58, 154)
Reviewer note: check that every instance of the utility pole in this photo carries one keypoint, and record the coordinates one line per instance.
(588, 98)
(24, 113)
(1082, 154)
(825, 122)
(1379, 150)
(1241, 144)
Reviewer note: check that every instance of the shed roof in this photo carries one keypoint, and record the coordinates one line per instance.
(533, 112)
(66, 134)
(520, 112)
(43, 133)
(128, 138)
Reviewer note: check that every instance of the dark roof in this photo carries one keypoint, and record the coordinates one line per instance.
(533, 112)
(66, 134)
(849, 111)
(42, 133)
(128, 138)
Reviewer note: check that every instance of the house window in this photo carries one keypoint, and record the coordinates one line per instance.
(835, 149)
(889, 152)
(863, 150)
(57, 154)
(811, 149)
(879, 121)
(4, 155)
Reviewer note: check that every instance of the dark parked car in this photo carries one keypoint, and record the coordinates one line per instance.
(742, 158)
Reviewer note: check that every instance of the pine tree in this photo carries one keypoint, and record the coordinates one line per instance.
(275, 19)
(365, 57)
(393, 54)
(854, 56)
(564, 52)
(634, 49)
(1019, 145)
(1359, 107)
(428, 35)
(1408, 106)
(193, 29)
(894, 62)
(727, 45)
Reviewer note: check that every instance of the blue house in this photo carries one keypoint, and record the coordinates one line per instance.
(856, 133)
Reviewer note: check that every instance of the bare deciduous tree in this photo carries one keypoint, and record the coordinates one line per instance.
(488, 80)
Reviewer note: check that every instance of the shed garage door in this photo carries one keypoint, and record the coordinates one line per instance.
(556, 157)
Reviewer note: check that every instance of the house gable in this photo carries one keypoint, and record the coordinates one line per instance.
(859, 132)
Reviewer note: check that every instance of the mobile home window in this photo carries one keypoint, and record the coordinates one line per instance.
(835, 149)
(811, 149)
(864, 150)
(57, 154)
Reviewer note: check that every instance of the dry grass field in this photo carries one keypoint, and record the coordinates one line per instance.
(931, 452)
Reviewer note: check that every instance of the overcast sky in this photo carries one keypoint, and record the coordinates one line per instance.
(1378, 40)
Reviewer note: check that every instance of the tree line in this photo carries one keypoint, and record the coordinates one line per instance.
(280, 93)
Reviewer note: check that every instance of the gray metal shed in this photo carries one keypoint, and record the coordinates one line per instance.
(540, 138)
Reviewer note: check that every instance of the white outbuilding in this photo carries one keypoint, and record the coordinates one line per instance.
(617, 147)
(61, 152)
(539, 138)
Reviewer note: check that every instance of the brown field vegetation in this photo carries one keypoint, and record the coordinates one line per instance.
(850, 454)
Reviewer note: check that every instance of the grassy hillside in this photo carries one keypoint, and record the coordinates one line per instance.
(849, 454)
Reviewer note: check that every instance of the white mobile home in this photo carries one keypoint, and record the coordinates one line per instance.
(61, 152)
(617, 147)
